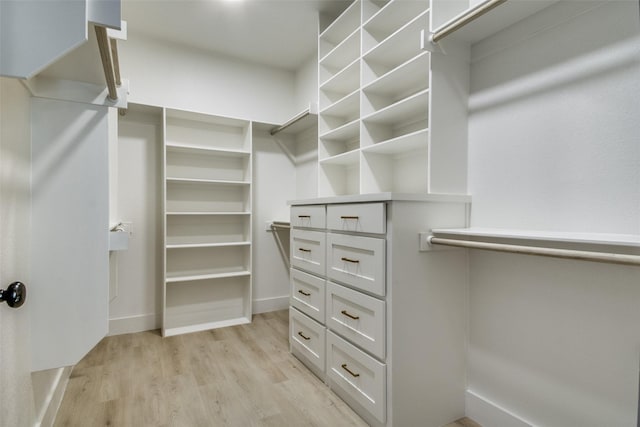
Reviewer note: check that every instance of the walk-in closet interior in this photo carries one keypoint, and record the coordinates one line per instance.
(391, 213)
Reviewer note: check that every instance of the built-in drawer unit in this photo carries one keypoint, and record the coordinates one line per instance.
(308, 250)
(311, 216)
(357, 374)
(357, 261)
(357, 217)
(357, 317)
(308, 294)
(307, 339)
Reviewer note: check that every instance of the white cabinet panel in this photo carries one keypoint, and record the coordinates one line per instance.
(357, 374)
(307, 294)
(357, 261)
(308, 250)
(358, 217)
(69, 295)
(307, 339)
(313, 216)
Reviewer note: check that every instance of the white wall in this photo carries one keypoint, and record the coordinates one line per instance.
(168, 75)
(138, 302)
(274, 182)
(16, 404)
(554, 144)
(306, 83)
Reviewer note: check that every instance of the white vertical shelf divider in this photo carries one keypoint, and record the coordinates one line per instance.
(207, 239)
(375, 127)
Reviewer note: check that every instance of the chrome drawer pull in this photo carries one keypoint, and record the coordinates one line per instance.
(355, 261)
(349, 217)
(346, 313)
(304, 250)
(306, 294)
(302, 335)
(344, 366)
(304, 216)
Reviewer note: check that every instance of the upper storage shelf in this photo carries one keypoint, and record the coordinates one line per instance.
(499, 18)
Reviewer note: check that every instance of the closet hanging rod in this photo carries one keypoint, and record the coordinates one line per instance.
(460, 21)
(295, 119)
(540, 251)
(110, 68)
(277, 224)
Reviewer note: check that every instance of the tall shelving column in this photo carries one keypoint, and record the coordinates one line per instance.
(207, 203)
(339, 104)
(394, 134)
(399, 124)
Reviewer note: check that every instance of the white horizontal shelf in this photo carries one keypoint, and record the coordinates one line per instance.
(208, 213)
(402, 144)
(483, 234)
(346, 132)
(207, 181)
(198, 327)
(206, 245)
(343, 25)
(393, 16)
(345, 81)
(345, 159)
(190, 148)
(344, 53)
(403, 111)
(401, 45)
(412, 74)
(345, 106)
(190, 277)
(499, 18)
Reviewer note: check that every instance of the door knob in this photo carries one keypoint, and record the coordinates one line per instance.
(14, 295)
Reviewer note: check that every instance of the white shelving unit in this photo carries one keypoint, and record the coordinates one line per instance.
(375, 132)
(207, 201)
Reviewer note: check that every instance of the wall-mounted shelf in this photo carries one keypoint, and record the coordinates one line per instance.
(499, 18)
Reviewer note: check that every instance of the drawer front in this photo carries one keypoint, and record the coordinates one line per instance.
(308, 338)
(357, 261)
(358, 217)
(311, 216)
(359, 375)
(308, 250)
(357, 317)
(308, 294)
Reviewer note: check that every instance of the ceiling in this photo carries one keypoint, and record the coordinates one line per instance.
(277, 33)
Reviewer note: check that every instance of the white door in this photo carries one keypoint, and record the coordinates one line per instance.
(16, 404)
(69, 297)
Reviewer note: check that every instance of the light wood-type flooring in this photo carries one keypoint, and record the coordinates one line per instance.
(236, 376)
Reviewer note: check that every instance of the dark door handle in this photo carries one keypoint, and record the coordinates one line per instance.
(14, 295)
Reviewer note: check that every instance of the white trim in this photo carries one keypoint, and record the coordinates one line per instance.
(267, 305)
(487, 413)
(131, 324)
(47, 414)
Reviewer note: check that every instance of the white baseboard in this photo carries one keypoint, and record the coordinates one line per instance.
(267, 305)
(487, 413)
(46, 415)
(132, 324)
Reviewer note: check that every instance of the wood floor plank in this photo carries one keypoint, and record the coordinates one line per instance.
(236, 376)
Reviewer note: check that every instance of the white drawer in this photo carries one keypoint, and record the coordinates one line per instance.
(357, 317)
(308, 250)
(307, 294)
(357, 261)
(357, 374)
(308, 216)
(359, 217)
(307, 339)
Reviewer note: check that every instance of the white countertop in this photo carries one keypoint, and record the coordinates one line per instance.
(384, 197)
